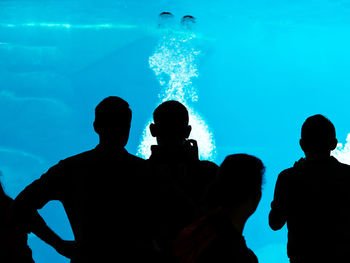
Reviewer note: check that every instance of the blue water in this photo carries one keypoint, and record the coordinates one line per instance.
(262, 67)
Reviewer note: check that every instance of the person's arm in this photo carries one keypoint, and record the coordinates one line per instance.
(46, 234)
(35, 196)
(277, 216)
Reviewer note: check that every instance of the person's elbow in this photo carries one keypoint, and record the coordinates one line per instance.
(276, 221)
(23, 215)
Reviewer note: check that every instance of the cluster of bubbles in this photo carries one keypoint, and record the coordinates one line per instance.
(342, 152)
(175, 64)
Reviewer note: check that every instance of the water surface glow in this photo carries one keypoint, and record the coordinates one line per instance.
(69, 26)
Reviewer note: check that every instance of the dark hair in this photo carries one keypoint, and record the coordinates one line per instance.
(240, 178)
(111, 111)
(171, 114)
(113, 120)
(318, 133)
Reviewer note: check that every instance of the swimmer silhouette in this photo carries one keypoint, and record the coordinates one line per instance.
(166, 14)
(188, 22)
(166, 19)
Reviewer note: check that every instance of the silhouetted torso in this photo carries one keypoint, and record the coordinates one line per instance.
(315, 197)
(181, 182)
(13, 241)
(213, 238)
(104, 193)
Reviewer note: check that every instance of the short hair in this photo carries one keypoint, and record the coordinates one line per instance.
(318, 132)
(240, 177)
(113, 110)
(171, 114)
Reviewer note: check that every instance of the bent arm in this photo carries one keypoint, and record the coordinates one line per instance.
(46, 234)
(276, 220)
(278, 214)
(34, 197)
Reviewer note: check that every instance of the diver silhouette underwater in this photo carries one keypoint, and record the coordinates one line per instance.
(166, 19)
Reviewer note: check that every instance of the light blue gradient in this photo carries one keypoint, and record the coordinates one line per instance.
(265, 66)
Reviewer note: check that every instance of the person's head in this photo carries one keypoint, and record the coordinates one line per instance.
(113, 120)
(188, 21)
(318, 136)
(238, 184)
(165, 19)
(170, 125)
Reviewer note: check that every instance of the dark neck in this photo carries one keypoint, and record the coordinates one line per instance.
(317, 156)
(239, 217)
(111, 143)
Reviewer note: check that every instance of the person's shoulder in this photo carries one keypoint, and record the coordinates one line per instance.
(208, 167)
(80, 156)
(208, 170)
(136, 159)
(253, 258)
(5, 202)
(208, 164)
(136, 164)
(287, 172)
(287, 176)
(343, 166)
(77, 159)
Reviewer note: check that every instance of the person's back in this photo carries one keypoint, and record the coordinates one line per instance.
(103, 192)
(181, 178)
(188, 176)
(312, 198)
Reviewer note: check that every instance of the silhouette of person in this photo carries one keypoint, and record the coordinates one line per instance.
(166, 19)
(13, 241)
(179, 175)
(14, 236)
(188, 22)
(312, 198)
(103, 191)
(234, 197)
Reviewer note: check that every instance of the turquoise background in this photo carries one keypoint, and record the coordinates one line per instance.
(265, 67)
